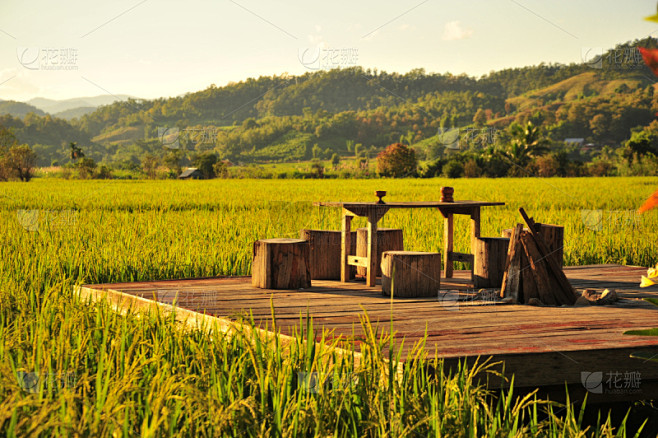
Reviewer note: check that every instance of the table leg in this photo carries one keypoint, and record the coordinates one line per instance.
(371, 269)
(448, 229)
(475, 234)
(345, 245)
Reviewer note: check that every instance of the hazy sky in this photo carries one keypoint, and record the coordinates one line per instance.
(160, 48)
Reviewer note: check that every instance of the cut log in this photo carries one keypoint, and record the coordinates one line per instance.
(388, 239)
(553, 236)
(490, 260)
(512, 277)
(541, 282)
(281, 264)
(325, 253)
(564, 293)
(541, 278)
(411, 274)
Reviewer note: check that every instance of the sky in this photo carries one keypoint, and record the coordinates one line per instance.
(162, 48)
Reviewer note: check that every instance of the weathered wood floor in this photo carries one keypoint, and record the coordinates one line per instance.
(543, 346)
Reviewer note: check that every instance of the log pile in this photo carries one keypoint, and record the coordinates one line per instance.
(533, 273)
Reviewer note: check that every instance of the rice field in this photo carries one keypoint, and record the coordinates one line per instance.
(98, 373)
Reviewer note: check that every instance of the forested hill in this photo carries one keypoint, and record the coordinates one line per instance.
(285, 117)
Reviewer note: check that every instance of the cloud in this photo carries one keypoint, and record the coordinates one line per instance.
(454, 31)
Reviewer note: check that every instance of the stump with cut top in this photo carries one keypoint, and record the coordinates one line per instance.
(325, 253)
(489, 261)
(553, 235)
(411, 274)
(388, 239)
(281, 264)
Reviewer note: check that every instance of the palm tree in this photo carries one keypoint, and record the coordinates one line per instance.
(527, 143)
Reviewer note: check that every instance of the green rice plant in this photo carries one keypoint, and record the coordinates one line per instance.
(72, 368)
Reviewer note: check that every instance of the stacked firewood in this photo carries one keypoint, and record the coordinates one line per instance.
(532, 273)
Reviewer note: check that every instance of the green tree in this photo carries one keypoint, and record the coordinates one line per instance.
(453, 169)
(173, 162)
(335, 160)
(21, 161)
(480, 118)
(527, 143)
(316, 151)
(205, 162)
(221, 169)
(86, 167)
(397, 161)
(76, 152)
(149, 165)
(317, 169)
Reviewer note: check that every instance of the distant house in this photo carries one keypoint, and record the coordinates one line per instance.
(589, 147)
(190, 173)
(574, 141)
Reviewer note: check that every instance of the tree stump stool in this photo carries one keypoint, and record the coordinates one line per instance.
(411, 274)
(281, 264)
(388, 239)
(325, 253)
(553, 236)
(489, 261)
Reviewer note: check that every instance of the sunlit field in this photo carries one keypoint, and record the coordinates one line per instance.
(130, 375)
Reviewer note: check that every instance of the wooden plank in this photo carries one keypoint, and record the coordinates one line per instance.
(345, 245)
(460, 257)
(357, 261)
(371, 275)
(419, 204)
(512, 276)
(541, 280)
(448, 231)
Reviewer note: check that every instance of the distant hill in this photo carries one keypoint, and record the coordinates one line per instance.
(349, 111)
(75, 112)
(18, 109)
(57, 106)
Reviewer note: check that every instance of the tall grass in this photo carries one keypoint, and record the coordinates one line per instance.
(99, 373)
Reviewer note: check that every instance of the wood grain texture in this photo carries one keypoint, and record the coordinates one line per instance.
(558, 342)
(388, 239)
(411, 274)
(281, 264)
(325, 252)
(490, 259)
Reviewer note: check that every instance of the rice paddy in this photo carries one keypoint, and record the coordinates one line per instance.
(77, 369)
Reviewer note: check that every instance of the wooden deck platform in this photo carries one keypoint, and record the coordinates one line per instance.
(543, 346)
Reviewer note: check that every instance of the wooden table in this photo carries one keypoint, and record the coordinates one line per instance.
(374, 211)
